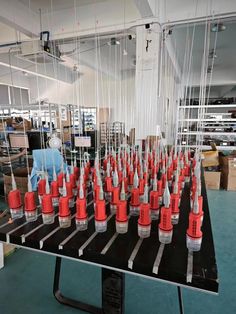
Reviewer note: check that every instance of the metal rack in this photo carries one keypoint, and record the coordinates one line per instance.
(218, 127)
(112, 132)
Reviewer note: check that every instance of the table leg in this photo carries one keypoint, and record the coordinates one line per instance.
(181, 305)
(67, 301)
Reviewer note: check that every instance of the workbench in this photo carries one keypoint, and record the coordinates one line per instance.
(118, 254)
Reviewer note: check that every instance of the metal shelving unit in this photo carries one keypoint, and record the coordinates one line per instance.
(219, 127)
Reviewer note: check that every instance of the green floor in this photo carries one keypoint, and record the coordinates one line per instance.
(26, 280)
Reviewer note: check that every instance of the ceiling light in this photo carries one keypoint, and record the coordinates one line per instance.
(125, 52)
(113, 42)
(212, 54)
(25, 73)
(209, 69)
(218, 27)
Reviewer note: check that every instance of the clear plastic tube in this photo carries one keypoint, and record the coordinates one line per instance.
(193, 245)
(165, 236)
(48, 218)
(82, 224)
(31, 215)
(65, 222)
(121, 227)
(144, 231)
(16, 213)
(100, 226)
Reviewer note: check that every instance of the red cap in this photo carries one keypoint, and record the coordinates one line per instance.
(154, 200)
(42, 187)
(100, 210)
(131, 178)
(30, 204)
(194, 226)
(144, 217)
(175, 164)
(169, 173)
(128, 169)
(115, 195)
(60, 178)
(14, 199)
(64, 210)
(81, 212)
(121, 212)
(200, 205)
(145, 177)
(69, 189)
(165, 223)
(135, 197)
(86, 171)
(141, 186)
(73, 180)
(163, 178)
(108, 184)
(96, 192)
(159, 187)
(187, 170)
(54, 189)
(105, 161)
(47, 207)
(150, 163)
(174, 203)
(154, 172)
(76, 172)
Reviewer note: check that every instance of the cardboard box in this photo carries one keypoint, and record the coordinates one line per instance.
(212, 179)
(152, 141)
(228, 170)
(210, 158)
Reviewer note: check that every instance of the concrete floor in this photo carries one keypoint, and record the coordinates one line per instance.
(26, 280)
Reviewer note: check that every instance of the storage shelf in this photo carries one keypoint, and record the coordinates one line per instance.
(210, 133)
(210, 120)
(206, 147)
(208, 106)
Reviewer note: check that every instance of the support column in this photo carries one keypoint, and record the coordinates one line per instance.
(147, 109)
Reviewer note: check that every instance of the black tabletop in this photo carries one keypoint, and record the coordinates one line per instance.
(126, 252)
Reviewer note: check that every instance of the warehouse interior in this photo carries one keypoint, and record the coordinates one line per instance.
(117, 156)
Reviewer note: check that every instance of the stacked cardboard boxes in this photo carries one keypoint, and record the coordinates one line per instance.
(228, 170)
(210, 163)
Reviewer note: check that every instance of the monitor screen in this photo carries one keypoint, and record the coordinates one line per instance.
(18, 140)
(83, 141)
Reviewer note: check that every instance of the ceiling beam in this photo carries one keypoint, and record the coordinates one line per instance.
(18, 16)
(146, 8)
